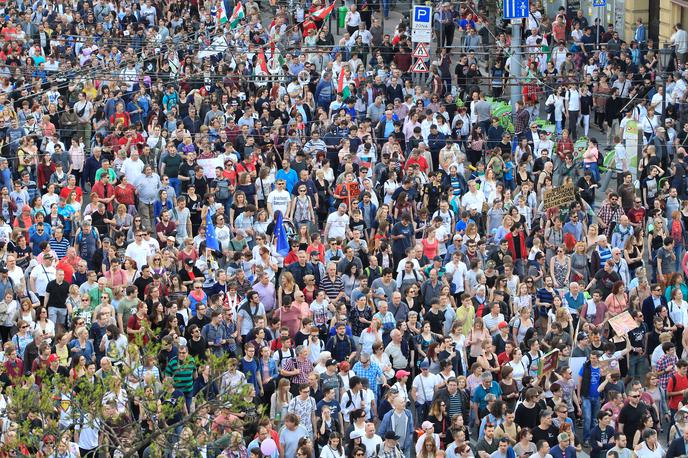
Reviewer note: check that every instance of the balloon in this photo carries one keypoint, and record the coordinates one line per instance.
(268, 447)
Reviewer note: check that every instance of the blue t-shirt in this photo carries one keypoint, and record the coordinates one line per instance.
(595, 378)
(480, 393)
(399, 246)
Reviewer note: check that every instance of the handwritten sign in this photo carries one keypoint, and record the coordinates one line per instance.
(548, 363)
(623, 323)
(559, 197)
(209, 166)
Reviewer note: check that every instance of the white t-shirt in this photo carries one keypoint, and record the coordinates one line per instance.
(657, 103)
(425, 387)
(573, 98)
(337, 225)
(371, 445)
(42, 276)
(491, 321)
(458, 273)
(132, 169)
(678, 312)
(279, 199)
(138, 253)
(645, 452)
(473, 200)
(620, 156)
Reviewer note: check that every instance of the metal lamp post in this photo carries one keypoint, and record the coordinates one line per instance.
(664, 61)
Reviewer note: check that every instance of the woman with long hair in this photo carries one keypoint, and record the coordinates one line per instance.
(287, 288)
(510, 388)
(279, 401)
(334, 447)
(371, 335)
(475, 338)
(476, 146)
(522, 324)
(428, 448)
(44, 325)
(437, 415)
(617, 300)
(424, 341)
(488, 360)
(518, 366)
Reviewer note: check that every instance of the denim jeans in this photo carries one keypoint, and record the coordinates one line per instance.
(177, 185)
(590, 409)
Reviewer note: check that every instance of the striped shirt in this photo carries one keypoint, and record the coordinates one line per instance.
(332, 288)
(59, 247)
(182, 373)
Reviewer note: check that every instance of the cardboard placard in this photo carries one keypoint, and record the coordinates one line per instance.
(559, 197)
(622, 323)
(548, 363)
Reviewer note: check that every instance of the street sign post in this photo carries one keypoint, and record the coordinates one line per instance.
(421, 26)
(419, 67)
(421, 51)
(517, 9)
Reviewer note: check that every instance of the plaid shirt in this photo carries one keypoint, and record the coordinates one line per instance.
(665, 362)
(304, 367)
(372, 372)
(609, 214)
(390, 453)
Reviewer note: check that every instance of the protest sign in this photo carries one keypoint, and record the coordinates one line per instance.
(623, 323)
(559, 197)
(209, 165)
(548, 363)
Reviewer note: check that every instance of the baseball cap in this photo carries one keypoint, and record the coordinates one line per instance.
(581, 336)
(427, 425)
(424, 364)
(401, 373)
(52, 358)
(355, 435)
(331, 362)
(344, 366)
(503, 325)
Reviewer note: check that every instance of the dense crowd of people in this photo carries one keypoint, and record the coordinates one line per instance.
(372, 261)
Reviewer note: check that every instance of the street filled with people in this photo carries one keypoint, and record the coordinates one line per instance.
(255, 230)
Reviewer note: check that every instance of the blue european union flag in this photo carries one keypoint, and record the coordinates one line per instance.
(282, 245)
(210, 238)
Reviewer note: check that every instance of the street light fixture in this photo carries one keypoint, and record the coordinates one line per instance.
(664, 61)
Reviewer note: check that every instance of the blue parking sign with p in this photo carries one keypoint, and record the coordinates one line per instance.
(421, 14)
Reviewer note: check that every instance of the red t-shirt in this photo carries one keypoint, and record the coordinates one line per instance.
(135, 323)
(66, 191)
(67, 268)
(677, 382)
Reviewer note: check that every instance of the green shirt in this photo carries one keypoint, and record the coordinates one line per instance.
(182, 373)
(111, 174)
(172, 164)
(94, 294)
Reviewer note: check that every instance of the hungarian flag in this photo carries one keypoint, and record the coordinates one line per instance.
(322, 13)
(343, 88)
(222, 11)
(237, 15)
